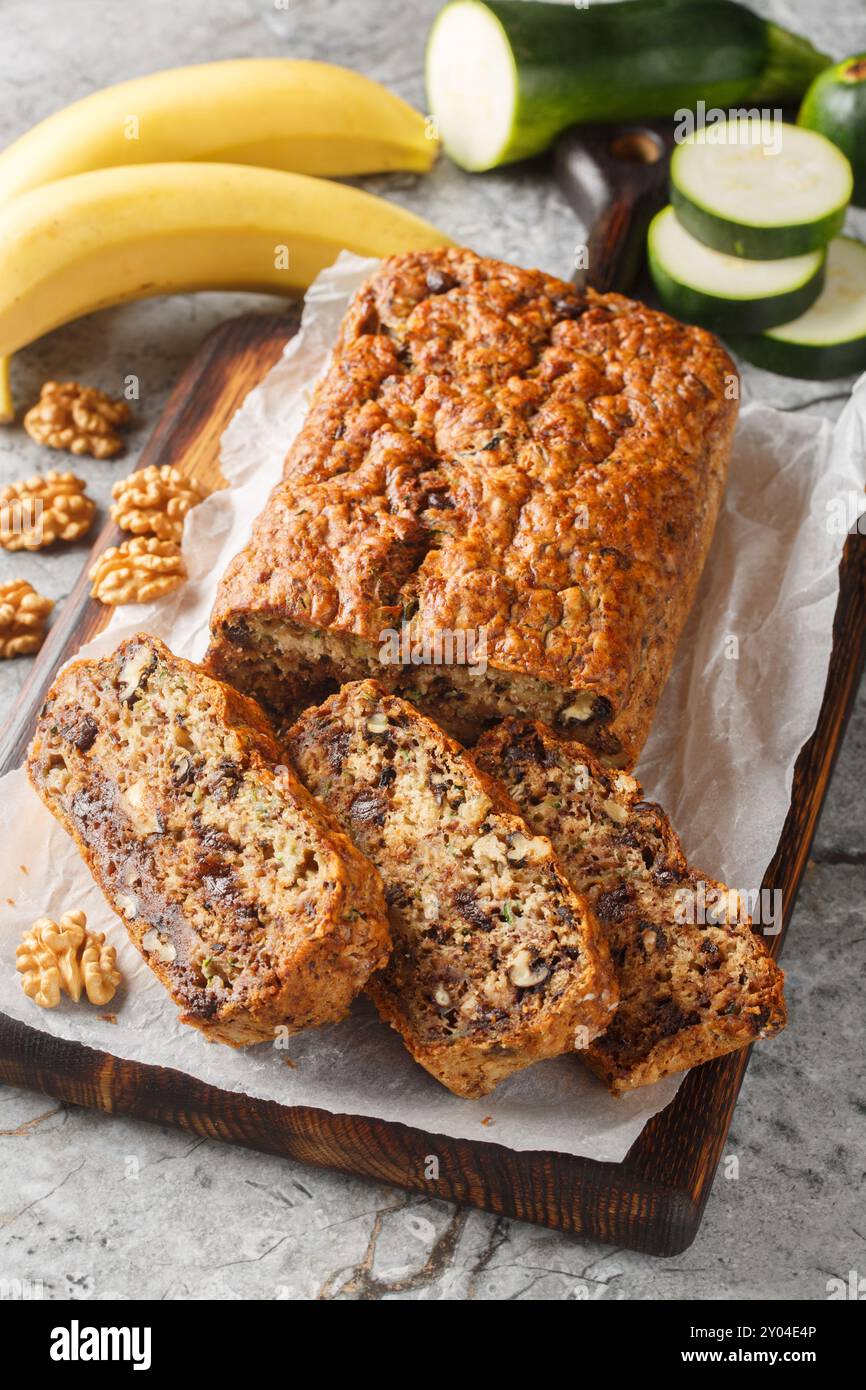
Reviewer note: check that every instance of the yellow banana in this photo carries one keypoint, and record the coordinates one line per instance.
(281, 113)
(113, 235)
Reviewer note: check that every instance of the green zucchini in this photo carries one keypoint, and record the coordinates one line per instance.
(835, 105)
(505, 77)
(829, 340)
(723, 292)
(760, 191)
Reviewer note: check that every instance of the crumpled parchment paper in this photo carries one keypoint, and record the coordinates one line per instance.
(744, 696)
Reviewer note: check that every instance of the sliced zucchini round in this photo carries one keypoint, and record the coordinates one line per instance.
(835, 105)
(765, 191)
(726, 292)
(829, 340)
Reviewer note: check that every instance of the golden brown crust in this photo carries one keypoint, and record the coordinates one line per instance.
(491, 450)
(243, 895)
(497, 962)
(691, 987)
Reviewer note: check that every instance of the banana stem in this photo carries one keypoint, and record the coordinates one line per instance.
(7, 407)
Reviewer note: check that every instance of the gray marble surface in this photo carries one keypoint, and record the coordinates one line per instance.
(93, 1207)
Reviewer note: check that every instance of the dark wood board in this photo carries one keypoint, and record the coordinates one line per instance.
(654, 1199)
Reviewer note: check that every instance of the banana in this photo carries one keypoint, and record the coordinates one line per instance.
(280, 113)
(103, 238)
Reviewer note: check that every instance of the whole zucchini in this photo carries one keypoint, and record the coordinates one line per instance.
(835, 106)
(506, 76)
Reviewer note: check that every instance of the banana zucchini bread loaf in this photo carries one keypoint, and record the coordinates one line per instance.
(242, 894)
(695, 980)
(497, 962)
(496, 462)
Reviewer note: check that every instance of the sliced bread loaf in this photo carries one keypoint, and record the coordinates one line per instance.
(496, 961)
(494, 455)
(695, 979)
(241, 892)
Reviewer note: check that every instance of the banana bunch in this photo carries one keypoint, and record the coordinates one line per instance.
(199, 178)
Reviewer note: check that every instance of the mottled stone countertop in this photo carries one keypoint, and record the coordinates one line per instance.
(95, 1207)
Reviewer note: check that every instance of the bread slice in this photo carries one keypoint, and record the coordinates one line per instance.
(242, 894)
(689, 989)
(497, 961)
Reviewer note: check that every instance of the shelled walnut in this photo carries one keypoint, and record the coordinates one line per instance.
(137, 571)
(99, 969)
(43, 509)
(56, 957)
(38, 964)
(154, 501)
(77, 418)
(22, 618)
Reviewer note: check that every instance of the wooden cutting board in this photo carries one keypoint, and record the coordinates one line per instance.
(654, 1199)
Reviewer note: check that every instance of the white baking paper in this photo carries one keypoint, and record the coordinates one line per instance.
(720, 759)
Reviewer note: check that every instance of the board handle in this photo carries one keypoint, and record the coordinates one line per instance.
(615, 178)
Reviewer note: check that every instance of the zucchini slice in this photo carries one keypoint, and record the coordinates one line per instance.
(724, 292)
(763, 192)
(829, 340)
(835, 105)
(505, 77)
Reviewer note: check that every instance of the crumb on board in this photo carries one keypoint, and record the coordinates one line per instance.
(108, 1018)
(488, 1120)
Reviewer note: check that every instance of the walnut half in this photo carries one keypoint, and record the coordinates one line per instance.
(43, 509)
(22, 618)
(56, 957)
(137, 571)
(99, 969)
(154, 500)
(77, 418)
